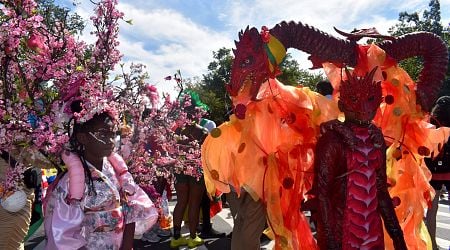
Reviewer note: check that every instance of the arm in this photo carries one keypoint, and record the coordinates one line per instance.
(194, 132)
(128, 236)
(324, 167)
(125, 178)
(63, 224)
(139, 211)
(386, 208)
(76, 174)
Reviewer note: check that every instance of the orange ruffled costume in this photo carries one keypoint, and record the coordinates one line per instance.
(409, 136)
(270, 154)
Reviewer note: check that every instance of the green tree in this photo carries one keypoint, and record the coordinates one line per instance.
(54, 15)
(211, 86)
(294, 76)
(431, 22)
(219, 72)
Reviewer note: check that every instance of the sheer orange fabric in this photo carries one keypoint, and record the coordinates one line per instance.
(270, 155)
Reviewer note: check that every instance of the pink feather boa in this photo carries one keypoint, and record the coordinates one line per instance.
(77, 177)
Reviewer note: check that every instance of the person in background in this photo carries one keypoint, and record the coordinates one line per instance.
(189, 192)
(15, 225)
(325, 88)
(207, 230)
(440, 165)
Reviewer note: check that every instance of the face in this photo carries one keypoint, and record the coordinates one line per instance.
(363, 115)
(98, 139)
(360, 98)
(250, 66)
(360, 106)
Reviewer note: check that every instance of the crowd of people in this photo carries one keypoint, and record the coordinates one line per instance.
(113, 209)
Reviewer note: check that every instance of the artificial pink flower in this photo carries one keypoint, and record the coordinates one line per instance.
(73, 90)
(35, 43)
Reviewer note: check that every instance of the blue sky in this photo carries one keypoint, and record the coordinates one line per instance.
(168, 35)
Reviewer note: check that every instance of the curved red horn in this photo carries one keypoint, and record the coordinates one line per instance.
(322, 46)
(435, 59)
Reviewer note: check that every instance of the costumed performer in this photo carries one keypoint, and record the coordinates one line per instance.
(350, 180)
(111, 208)
(401, 117)
(267, 146)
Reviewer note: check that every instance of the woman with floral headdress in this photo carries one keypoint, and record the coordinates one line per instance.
(111, 206)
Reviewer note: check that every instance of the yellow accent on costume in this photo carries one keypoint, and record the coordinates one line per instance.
(276, 52)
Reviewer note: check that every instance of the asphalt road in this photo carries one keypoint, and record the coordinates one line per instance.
(224, 223)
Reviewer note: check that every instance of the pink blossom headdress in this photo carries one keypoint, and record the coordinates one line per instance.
(89, 103)
(81, 108)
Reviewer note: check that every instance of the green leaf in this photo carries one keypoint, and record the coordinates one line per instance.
(6, 117)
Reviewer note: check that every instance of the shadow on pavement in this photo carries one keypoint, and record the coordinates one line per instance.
(32, 243)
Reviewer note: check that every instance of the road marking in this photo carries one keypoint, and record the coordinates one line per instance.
(443, 214)
(443, 243)
(443, 225)
(447, 207)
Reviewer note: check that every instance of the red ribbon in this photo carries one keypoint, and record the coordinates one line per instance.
(265, 35)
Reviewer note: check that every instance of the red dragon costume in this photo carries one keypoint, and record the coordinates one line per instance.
(269, 145)
(351, 179)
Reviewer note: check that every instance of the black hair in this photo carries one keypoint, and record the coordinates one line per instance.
(440, 114)
(324, 88)
(146, 113)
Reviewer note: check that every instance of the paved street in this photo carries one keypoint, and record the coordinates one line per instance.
(224, 223)
(443, 224)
